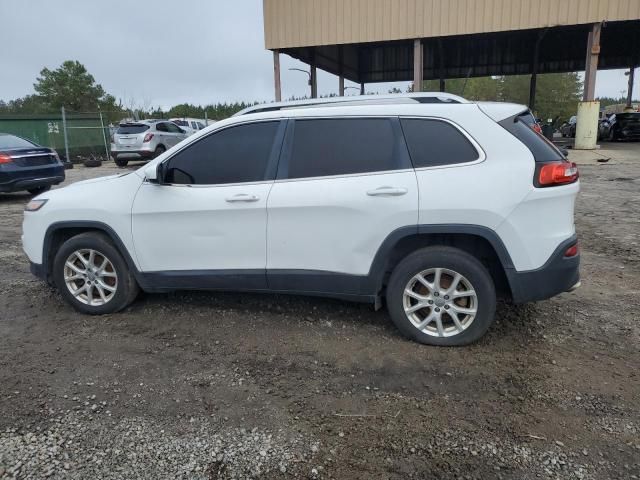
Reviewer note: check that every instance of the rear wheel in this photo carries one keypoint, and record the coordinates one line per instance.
(159, 151)
(121, 162)
(92, 275)
(39, 190)
(441, 296)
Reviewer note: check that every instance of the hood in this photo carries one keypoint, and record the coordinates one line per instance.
(98, 180)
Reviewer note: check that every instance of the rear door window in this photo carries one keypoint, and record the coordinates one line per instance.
(342, 146)
(132, 129)
(433, 143)
(162, 127)
(173, 128)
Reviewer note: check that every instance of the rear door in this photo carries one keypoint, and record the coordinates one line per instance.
(164, 138)
(344, 184)
(176, 133)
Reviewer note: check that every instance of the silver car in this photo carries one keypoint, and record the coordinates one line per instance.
(144, 140)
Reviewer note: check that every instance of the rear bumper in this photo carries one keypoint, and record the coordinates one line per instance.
(559, 274)
(131, 153)
(25, 182)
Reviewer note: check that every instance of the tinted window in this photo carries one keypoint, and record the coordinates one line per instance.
(132, 128)
(541, 148)
(234, 155)
(341, 146)
(173, 128)
(162, 127)
(200, 126)
(182, 123)
(11, 141)
(434, 142)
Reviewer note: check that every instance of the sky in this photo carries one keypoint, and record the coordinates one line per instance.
(165, 52)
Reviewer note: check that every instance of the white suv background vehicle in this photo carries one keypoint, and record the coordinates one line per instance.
(144, 139)
(426, 202)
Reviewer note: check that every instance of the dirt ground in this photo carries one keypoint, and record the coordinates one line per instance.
(203, 385)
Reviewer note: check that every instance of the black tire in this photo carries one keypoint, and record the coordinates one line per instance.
(126, 288)
(452, 259)
(39, 190)
(121, 162)
(159, 151)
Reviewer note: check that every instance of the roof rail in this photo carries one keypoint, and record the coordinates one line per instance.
(396, 98)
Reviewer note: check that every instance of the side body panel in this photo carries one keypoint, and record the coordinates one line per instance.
(87, 201)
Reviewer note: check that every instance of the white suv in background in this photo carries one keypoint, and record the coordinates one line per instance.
(426, 202)
(144, 139)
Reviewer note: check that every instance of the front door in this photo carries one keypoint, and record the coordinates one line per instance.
(208, 219)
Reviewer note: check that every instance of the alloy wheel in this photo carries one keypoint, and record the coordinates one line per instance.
(90, 277)
(440, 302)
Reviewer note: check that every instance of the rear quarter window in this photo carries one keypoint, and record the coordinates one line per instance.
(541, 148)
(132, 129)
(433, 143)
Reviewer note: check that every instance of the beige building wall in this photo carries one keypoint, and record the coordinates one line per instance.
(298, 23)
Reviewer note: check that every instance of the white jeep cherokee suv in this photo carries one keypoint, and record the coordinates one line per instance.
(428, 202)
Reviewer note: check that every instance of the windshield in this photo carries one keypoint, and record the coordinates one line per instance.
(11, 141)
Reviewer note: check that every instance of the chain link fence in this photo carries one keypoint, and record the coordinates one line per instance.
(77, 137)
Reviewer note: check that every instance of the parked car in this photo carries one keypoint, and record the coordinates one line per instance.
(620, 126)
(190, 125)
(25, 165)
(435, 208)
(144, 140)
(568, 129)
(531, 121)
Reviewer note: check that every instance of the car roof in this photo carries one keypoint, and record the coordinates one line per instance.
(391, 99)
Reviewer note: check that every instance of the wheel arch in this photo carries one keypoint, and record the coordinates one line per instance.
(59, 232)
(479, 241)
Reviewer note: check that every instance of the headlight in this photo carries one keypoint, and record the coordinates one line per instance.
(35, 205)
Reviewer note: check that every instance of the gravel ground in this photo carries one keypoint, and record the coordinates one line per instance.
(221, 386)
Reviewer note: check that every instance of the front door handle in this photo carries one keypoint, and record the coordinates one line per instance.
(387, 192)
(242, 197)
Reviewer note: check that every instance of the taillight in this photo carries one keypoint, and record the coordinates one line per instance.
(537, 128)
(572, 251)
(147, 137)
(555, 173)
(4, 158)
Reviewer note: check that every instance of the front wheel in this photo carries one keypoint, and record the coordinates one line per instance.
(92, 275)
(441, 296)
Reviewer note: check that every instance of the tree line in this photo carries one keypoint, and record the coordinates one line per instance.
(73, 87)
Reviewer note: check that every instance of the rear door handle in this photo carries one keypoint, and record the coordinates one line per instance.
(242, 197)
(387, 192)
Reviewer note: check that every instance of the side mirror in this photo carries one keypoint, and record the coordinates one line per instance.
(154, 173)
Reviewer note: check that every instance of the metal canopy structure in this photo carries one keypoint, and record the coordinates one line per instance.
(560, 49)
(368, 41)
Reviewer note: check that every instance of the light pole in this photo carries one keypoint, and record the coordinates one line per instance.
(308, 73)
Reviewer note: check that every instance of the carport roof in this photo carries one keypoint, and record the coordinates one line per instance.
(372, 40)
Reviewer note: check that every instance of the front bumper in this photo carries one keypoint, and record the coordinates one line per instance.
(559, 274)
